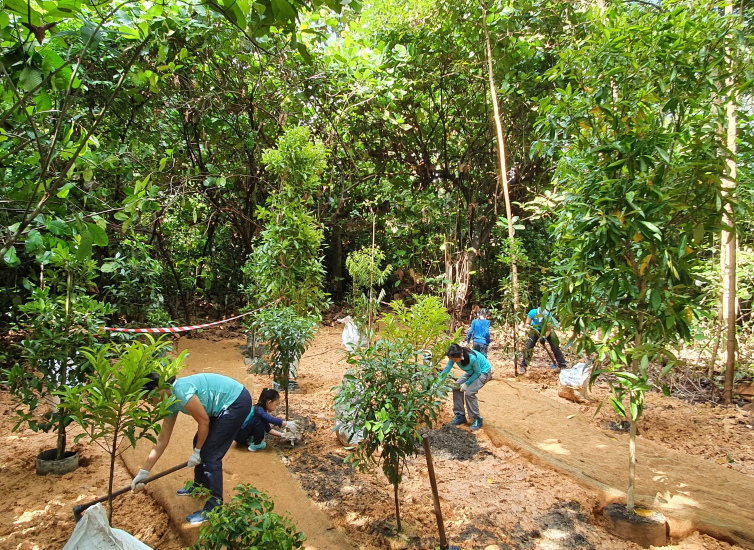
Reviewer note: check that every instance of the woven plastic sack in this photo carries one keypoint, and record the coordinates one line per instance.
(93, 532)
(574, 383)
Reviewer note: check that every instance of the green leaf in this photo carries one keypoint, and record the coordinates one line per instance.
(283, 11)
(698, 233)
(63, 193)
(10, 258)
(84, 250)
(30, 78)
(663, 153)
(99, 235)
(34, 242)
(302, 49)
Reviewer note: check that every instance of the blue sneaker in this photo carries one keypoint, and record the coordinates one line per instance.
(183, 492)
(253, 448)
(476, 424)
(198, 517)
(458, 419)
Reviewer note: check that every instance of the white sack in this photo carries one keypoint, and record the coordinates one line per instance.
(351, 339)
(575, 382)
(93, 532)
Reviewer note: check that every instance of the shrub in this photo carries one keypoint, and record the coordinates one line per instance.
(247, 522)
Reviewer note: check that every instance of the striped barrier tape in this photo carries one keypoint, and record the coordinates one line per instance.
(164, 330)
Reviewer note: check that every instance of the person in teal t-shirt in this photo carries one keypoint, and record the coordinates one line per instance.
(542, 323)
(219, 405)
(477, 371)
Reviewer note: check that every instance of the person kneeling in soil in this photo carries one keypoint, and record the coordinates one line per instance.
(477, 371)
(260, 421)
(219, 405)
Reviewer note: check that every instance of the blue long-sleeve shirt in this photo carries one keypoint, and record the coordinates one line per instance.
(477, 365)
(263, 416)
(480, 331)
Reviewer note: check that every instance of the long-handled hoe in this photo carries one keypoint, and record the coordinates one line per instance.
(79, 509)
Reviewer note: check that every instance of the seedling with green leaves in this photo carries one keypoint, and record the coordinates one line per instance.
(390, 393)
(59, 318)
(287, 336)
(113, 406)
(424, 325)
(364, 266)
(248, 521)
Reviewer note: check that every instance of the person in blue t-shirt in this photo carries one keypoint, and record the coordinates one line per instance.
(477, 371)
(541, 321)
(480, 332)
(260, 421)
(219, 405)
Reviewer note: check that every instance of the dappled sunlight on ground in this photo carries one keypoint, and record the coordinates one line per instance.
(553, 446)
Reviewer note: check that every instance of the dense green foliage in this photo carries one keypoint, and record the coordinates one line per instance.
(208, 156)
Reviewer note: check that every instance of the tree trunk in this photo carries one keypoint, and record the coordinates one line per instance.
(60, 451)
(336, 262)
(504, 180)
(716, 343)
(287, 381)
(113, 453)
(179, 286)
(729, 238)
(397, 508)
(630, 499)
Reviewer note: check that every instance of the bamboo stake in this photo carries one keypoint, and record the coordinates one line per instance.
(504, 180)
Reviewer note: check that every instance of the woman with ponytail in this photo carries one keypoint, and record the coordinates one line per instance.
(476, 372)
(260, 421)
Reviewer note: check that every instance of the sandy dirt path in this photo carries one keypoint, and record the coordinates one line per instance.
(695, 494)
(264, 470)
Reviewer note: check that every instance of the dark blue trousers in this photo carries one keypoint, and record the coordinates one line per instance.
(222, 430)
(255, 430)
(481, 348)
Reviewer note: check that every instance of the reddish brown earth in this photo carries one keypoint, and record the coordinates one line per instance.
(493, 497)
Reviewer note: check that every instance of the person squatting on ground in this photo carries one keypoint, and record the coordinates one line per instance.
(538, 317)
(480, 332)
(260, 421)
(219, 405)
(477, 371)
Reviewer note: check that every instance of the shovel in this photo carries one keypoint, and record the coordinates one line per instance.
(79, 509)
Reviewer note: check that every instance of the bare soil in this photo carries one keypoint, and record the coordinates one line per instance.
(722, 434)
(492, 497)
(36, 513)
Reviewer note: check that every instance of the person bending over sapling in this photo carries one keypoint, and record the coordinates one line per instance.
(260, 421)
(477, 371)
(219, 405)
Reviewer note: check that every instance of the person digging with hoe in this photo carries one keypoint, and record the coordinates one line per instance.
(542, 322)
(477, 371)
(219, 405)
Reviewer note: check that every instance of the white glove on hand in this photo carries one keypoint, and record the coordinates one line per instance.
(463, 387)
(196, 458)
(136, 484)
(291, 426)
